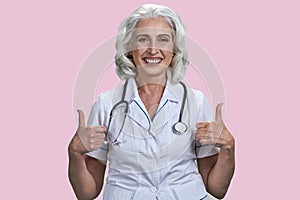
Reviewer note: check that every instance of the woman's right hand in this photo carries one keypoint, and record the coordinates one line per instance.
(86, 139)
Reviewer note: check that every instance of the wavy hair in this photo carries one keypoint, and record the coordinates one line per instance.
(125, 67)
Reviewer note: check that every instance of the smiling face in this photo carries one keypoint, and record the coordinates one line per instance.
(152, 47)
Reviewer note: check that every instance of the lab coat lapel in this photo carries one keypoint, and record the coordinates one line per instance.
(136, 107)
(137, 113)
(169, 106)
(165, 114)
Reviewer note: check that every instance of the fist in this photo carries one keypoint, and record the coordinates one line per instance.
(215, 132)
(87, 139)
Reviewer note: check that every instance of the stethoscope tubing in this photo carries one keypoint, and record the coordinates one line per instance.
(178, 128)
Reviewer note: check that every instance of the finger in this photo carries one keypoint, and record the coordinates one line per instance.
(212, 142)
(205, 142)
(209, 140)
(202, 124)
(99, 129)
(202, 130)
(202, 134)
(205, 135)
(81, 118)
(218, 112)
(96, 139)
(200, 137)
(99, 136)
(208, 134)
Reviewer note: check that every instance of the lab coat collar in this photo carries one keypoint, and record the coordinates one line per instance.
(168, 107)
(170, 92)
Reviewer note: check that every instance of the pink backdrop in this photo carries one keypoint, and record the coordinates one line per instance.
(255, 45)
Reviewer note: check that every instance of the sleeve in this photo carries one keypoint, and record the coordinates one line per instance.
(205, 114)
(96, 118)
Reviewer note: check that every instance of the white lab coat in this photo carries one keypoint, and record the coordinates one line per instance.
(152, 162)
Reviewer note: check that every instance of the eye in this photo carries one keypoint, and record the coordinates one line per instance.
(143, 39)
(163, 39)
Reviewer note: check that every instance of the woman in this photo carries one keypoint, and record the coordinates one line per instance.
(152, 129)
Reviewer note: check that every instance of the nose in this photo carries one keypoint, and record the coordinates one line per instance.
(152, 48)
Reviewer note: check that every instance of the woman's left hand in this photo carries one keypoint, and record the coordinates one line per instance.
(215, 132)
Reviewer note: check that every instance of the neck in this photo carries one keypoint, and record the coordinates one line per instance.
(150, 92)
(151, 89)
(147, 81)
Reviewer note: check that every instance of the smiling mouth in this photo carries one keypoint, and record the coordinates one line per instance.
(152, 60)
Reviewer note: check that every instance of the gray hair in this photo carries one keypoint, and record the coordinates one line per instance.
(125, 67)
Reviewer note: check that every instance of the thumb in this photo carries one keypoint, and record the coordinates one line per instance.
(81, 118)
(218, 116)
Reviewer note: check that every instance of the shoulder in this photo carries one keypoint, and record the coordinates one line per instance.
(199, 101)
(110, 95)
(105, 100)
(196, 93)
(198, 96)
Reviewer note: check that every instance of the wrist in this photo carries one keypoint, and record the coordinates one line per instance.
(76, 147)
(229, 145)
(73, 151)
(229, 141)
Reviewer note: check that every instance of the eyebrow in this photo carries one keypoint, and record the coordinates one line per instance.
(159, 35)
(141, 35)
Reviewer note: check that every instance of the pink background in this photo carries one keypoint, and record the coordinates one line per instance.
(255, 45)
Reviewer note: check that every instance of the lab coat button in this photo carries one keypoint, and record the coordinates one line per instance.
(153, 189)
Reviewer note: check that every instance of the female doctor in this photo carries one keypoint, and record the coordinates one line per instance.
(151, 130)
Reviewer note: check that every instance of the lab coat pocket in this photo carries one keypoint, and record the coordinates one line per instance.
(190, 190)
(112, 192)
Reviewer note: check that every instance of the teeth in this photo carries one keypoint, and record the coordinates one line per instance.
(152, 61)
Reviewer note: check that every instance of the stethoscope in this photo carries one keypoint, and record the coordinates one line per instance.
(178, 128)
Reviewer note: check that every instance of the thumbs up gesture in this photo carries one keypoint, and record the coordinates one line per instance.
(87, 139)
(215, 132)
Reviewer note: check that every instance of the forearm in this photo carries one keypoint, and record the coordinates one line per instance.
(82, 181)
(221, 174)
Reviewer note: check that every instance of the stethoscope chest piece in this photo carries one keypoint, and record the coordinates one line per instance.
(179, 128)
